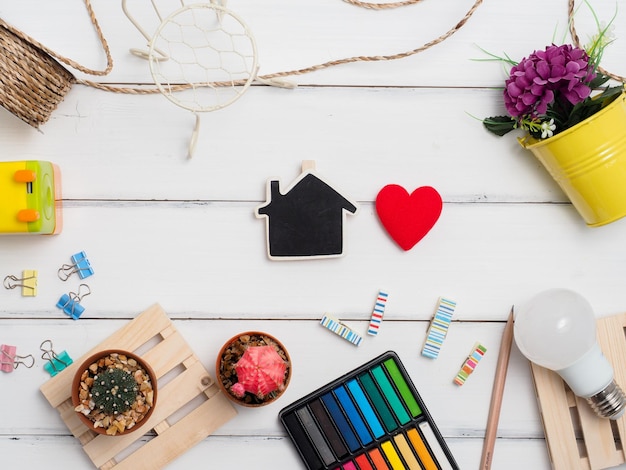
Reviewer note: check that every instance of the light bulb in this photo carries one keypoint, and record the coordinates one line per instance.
(556, 329)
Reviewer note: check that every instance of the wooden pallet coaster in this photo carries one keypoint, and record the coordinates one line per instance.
(577, 438)
(189, 385)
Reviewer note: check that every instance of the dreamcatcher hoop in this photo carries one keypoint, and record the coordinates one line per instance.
(212, 59)
(234, 51)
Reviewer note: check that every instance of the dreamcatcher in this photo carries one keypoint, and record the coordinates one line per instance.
(202, 57)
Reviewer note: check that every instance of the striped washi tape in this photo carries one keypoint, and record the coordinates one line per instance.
(377, 313)
(478, 351)
(438, 328)
(340, 329)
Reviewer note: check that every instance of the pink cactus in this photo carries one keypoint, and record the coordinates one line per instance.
(260, 371)
(238, 390)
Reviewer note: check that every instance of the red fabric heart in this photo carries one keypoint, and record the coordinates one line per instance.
(408, 218)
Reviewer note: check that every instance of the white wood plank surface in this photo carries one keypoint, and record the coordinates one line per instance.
(159, 227)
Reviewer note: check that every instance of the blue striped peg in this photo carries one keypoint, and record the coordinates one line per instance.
(438, 328)
(340, 329)
(378, 312)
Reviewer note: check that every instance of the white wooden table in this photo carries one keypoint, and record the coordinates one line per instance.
(161, 228)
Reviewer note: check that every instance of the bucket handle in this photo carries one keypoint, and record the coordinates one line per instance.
(572, 29)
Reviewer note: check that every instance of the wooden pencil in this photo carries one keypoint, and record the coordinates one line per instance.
(496, 394)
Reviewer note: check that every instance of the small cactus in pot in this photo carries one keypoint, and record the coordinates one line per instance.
(114, 392)
(260, 371)
(253, 369)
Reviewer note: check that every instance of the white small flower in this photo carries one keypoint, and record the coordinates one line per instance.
(609, 31)
(547, 128)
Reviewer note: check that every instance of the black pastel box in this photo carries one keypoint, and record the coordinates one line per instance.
(370, 419)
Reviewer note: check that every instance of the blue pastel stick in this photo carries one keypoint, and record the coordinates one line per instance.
(340, 421)
(366, 408)
(353, 415)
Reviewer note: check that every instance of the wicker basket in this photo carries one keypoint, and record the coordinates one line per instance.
(32, 80)
(33, 83)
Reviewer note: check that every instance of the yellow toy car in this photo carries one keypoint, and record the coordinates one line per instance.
(30, 198)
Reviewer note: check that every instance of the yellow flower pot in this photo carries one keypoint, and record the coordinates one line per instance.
(588, 161)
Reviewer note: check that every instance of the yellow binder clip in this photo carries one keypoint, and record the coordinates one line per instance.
(28, 282)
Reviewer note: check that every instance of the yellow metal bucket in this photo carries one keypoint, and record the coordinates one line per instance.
(588, 161)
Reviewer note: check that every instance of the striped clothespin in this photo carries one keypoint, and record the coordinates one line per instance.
(340, 329)
(438, 328)
(378, 312)
(478, 351)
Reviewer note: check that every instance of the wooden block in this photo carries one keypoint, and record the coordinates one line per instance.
(161, 427)
(75, 425)
(611, 330)
(191, 380)
(598, 438)
(577, 438)
(168, 354)
(181, 436)
(176, 394)
(136, 333)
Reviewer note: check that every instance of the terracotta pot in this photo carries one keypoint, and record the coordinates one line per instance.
(94, 358)
(250, 400)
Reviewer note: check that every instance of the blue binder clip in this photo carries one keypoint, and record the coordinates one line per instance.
(80, 265)
(56, 362)
(70, 303)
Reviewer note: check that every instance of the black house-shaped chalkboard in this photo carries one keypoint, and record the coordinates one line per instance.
(306, 221)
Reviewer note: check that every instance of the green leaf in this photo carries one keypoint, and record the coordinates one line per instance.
(591, 106)
(598, 81)
(500, 125)
(608, 95)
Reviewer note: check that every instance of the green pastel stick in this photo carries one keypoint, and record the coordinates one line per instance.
(379, 402)
(390, 394)
(403, 387)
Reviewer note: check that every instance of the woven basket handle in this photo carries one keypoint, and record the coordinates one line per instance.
(66, 60)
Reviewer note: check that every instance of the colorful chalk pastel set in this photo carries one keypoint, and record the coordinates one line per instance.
(372, 418)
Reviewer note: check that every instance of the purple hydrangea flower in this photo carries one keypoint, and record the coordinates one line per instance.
(542, 77)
